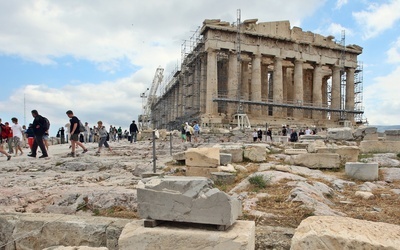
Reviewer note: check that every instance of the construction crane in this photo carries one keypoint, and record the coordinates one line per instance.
(145, 117)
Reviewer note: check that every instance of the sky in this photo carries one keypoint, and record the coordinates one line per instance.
(96, 57)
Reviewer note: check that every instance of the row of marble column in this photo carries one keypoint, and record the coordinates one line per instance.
(259, 85)
(197, 87)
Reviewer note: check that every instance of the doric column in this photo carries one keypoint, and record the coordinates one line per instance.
(298, 87)
(256, 84)
(245, 83)
(181, 98)
(317, 91)
(335, 92)
(277, 86)
(264, 87)
(212, 83)
(350, 92)
(232, 83)
(203, 82)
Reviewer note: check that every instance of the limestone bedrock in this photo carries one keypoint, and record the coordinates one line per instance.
(186, 199)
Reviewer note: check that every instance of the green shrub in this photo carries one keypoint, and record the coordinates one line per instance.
(258, 181)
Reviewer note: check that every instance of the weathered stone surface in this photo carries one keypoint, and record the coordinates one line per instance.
(75, 248)
(202, 157)
(229, 168)
(240, 236)
(235, 150)
(391, 174)
(315, 160)
(346, 153)
(392, 135)
(272, 237)
(313, 196)
(365, 195)
(384, 160)
(363, 130)
(255, 153)
(380, 146)
(180, 156)
(225, 158)
(199, 171)
(309, 138)
(340, 134)
(292, 151)
(313, 146)
(223, 178)
(333, 232)
(46, 230)
(362, 171)
(186, 199)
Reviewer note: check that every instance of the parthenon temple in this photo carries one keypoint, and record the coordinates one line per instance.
(266, 72)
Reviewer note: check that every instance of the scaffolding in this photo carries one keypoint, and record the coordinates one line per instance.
(187, 85)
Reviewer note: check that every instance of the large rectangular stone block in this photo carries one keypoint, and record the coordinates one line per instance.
(362, 171)
(235, 150)
(46, 230)
(186, 199)
(202, 157)
(380, 146)
(240, 236)
(346, 153)
(316, 160)
(335, 232)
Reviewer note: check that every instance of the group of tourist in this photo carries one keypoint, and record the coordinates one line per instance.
(12, 135)
(188, 130)
(291, 133)
(77, 133)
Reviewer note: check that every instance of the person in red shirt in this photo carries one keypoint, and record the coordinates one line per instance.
(6, 133)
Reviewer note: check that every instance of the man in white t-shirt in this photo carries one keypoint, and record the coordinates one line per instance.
(308, 131)
(17, 135)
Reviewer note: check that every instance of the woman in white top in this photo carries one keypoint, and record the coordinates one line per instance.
(17, 135)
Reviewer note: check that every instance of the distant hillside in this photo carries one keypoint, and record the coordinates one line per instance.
(382, 128)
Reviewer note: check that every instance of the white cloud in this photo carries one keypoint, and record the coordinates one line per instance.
(336, 29)
(144, 33)
(116, 103)
(393, 53)
(340, 3)
(382, 100)
(378, 18)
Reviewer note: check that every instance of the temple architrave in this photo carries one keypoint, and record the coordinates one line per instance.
(267, 72)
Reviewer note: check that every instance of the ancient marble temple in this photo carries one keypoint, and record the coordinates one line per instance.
(268, 71)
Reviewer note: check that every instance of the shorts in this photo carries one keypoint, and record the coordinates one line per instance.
(103, 140)
(74, 137)
(196, 133)
(46, 137)
(17, 141)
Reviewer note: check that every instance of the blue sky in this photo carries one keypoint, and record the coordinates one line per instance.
(96, 57)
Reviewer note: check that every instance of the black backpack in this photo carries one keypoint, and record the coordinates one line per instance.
(46, 124)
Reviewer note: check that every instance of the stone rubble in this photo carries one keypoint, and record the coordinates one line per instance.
(63, 185)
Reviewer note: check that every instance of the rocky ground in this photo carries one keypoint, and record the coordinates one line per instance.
(275, 195)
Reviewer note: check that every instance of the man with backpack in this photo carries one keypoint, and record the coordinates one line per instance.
(40, 125)
(76, 128)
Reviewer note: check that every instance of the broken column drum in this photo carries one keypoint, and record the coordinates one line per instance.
(186, 199)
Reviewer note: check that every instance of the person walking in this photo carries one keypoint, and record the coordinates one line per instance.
(86, 133)
(7, 134)
(74, 133)
(103, 137)
(17, 135)
(2, 126)
(196, 129)
(133, 129)
(259, 134)
(39, 126)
